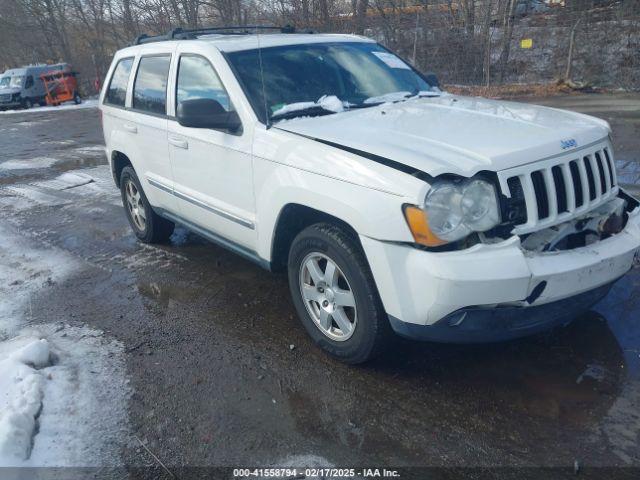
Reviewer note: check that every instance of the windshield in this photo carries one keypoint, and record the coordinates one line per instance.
(15, 81)
(357, 74)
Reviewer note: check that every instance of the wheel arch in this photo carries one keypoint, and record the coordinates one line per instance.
(291, 220)
(118, 161)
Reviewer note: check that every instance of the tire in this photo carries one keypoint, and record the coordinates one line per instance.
(27, 104)
(76, 99)
(368, 333)
(147, 225)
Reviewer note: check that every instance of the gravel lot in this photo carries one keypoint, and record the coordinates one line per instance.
(208, 338)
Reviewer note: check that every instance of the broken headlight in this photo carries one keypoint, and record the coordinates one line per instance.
(452, 210)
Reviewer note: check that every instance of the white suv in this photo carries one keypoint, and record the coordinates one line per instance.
(393, 205)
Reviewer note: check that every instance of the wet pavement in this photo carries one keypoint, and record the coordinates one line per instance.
(209, 340)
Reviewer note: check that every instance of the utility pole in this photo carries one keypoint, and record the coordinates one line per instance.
(415, 39)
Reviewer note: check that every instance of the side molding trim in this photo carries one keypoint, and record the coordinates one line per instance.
(199, 203)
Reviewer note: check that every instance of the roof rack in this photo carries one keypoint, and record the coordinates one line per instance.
(193, 33)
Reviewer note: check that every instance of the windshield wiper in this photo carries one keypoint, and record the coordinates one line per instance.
(427, 94)
(325, 105)
(354, 106)
(311, 111)
(394, 97)
(388, 98)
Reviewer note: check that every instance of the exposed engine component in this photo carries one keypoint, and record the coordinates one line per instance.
(598, 224)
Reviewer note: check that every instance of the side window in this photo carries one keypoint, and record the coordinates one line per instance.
(117, 92)
(150, 87)
(198, 79)
(29, 82)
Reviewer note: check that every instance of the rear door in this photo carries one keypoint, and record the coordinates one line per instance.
(115, 115)
(212, 169)
(146, 124)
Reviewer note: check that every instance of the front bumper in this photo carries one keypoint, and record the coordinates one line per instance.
(11, 104)
(481, 325)
(10, 100)
(495, 284)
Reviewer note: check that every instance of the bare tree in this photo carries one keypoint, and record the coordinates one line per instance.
(466, 41)
(509, 20)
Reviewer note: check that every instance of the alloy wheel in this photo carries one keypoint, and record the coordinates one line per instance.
(135, 206)
(328, 296)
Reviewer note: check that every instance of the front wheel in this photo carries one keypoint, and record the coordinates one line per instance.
(335, 295)
(148, 226)
(27, 104)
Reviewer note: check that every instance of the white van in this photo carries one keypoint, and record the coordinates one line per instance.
(23, 88)
(392, 205)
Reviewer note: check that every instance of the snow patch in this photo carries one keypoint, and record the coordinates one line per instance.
(83, 420)
(32, 163)
(21, 400)
(28, 124)
(22, 197)
(92, 103)
(25, 270)
(58, 142)
(63, 388)
(305, 461)
(91, 149)
(90, 183)
(388, 97)
(101, 185)
(328, 102)
(66, 181)
(35, 354)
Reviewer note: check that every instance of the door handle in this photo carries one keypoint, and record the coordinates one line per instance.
(179, 142)
(130, 128)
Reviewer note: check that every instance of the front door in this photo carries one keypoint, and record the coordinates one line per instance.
(212, 169)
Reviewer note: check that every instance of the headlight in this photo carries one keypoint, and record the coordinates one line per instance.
(453, 210)
(445, 214)
(480, 206)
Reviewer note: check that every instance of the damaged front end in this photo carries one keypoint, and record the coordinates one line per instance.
(598, 224)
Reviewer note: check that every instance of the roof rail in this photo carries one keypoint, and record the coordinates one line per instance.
(193, 33)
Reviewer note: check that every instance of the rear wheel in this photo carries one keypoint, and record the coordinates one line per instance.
(148, 226)
(76, 99)
(335, 295)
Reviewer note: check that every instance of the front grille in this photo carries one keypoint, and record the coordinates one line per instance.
(5, 98)
(561, 188)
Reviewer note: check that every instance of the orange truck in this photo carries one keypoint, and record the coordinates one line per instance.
(60, 85)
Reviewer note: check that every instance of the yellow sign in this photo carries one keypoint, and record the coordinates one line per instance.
(526, 43)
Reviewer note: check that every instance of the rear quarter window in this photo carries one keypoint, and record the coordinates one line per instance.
(150, 86)
(117, 91)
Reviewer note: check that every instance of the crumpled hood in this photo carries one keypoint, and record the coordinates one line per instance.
(453, 134)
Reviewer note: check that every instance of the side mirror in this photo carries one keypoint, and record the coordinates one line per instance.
(207, 113)
(432, 80)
